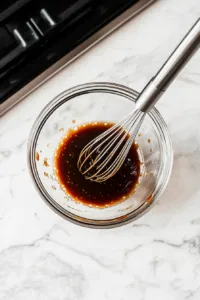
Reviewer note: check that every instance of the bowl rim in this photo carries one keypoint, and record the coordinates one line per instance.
(94, 87)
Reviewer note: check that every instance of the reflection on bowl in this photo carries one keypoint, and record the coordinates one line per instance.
(89, 103)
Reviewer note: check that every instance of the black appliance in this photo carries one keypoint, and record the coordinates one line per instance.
(39, 37)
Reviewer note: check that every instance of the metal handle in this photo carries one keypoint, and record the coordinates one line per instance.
(178, 59)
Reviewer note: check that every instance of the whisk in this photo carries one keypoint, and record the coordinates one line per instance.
(100, 159)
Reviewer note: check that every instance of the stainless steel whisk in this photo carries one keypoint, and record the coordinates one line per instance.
(102, 157)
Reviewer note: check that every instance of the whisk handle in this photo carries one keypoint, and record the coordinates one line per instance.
(168, 72)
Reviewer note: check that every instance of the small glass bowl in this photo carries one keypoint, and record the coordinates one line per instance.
(98, 102)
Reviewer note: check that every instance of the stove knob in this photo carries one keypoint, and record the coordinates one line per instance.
(24, 33)
(43, 21)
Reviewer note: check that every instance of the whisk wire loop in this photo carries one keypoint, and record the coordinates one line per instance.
(115, 143)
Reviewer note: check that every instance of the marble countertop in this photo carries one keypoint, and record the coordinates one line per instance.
(43, 256)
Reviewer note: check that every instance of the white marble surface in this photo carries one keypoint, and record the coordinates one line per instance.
(158, 257)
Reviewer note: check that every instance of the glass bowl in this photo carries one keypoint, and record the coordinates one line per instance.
(98, 102)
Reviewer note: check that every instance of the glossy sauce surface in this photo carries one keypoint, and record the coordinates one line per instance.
(107, 193)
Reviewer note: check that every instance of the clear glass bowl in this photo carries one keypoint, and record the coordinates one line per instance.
(98, 102)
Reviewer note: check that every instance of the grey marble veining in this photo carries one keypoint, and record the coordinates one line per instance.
(158, 257)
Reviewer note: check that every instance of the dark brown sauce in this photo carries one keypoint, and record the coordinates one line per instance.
(107, 193)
